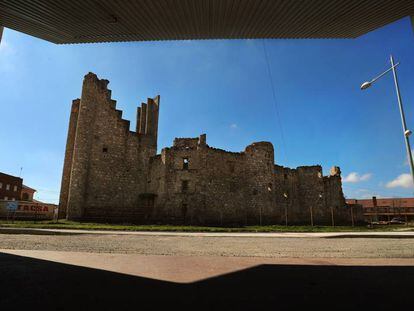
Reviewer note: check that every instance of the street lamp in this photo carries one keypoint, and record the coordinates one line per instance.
(407, 132)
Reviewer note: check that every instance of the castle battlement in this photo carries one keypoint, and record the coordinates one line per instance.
(112, 173)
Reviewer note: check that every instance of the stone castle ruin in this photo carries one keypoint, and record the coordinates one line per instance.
(111, 173)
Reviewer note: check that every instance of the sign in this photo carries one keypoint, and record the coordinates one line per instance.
(12, 205)
(25, 209)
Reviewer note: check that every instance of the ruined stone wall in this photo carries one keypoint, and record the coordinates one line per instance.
(286, 196)
(335, 200)
(109, 165)
(113, 174)
(244, 188)
(220, 187)
(259, 179)
(299, 194)
(234, 188)
(304, 193)
(67, 167)
(311, 194)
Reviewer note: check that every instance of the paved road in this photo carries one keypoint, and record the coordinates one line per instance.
(188, 269)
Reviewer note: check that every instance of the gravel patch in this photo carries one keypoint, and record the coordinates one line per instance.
(215, 246)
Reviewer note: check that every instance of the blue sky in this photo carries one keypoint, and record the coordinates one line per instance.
(221, 88)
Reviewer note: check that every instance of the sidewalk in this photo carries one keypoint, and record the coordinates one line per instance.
(187, 269)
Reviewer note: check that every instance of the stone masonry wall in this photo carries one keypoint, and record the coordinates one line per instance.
(216, 187)
(67, 167)
(245, 188)
(110, 163)
(113, 174)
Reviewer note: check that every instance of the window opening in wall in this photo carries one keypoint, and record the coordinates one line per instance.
(186, 163)
(1, 185)
(7, 187)
(15, 188)
(269, 187)
(105, 149)
(184, 185)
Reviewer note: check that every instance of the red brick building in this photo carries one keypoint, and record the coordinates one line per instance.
(27, 193)
(10, 187)
(385, 209)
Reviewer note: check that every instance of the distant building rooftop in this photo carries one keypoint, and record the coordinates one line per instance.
(9, 176)
(383, 202)
(27, 188)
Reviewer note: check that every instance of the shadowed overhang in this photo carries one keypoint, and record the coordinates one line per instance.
(61, 21)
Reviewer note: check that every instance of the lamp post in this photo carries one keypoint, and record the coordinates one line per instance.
(407, 132)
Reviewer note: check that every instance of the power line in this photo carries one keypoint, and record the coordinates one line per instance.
(277, 113)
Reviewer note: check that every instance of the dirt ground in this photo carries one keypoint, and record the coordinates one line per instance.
(280, 247)
(72, 271)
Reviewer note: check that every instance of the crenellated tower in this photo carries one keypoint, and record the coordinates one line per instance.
(111, 173)
(147, 118)
(105, 162)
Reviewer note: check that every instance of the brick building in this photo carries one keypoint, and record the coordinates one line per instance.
(113, 174)
(13, 189)
(27, 193)
(10, 187)
(384, 209)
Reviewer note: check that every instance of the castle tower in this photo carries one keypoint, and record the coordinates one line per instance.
(67, 167)
(147, 118)
(105, 161)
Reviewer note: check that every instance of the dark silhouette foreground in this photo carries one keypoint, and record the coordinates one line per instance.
(38, 284)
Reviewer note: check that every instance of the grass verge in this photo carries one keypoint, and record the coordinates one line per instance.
(64, 224)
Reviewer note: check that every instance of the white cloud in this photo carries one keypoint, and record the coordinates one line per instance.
(354, 177)
(233, 126)
(365, 177)
(403, 181)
